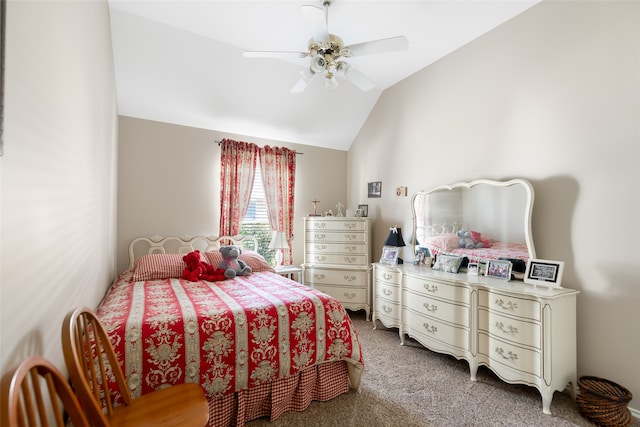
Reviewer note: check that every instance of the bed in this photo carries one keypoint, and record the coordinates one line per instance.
(259, 345)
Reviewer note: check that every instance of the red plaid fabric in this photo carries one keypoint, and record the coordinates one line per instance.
(321, 383)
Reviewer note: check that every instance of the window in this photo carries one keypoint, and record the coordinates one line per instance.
(256, 220)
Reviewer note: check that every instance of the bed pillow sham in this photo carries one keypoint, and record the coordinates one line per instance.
(160, 266)
(445, 242)
(252, 258)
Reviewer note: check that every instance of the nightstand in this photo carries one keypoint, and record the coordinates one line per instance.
(289, 271)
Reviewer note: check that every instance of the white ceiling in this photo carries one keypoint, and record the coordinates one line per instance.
(181, 61)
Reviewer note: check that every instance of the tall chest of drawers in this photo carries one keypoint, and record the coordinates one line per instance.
(523, 333)
(337, 259)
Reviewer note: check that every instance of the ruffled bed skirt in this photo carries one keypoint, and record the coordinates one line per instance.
(295, 393)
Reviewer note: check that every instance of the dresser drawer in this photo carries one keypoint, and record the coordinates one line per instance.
(513, 356)
(439, 309)
(509, 329)
(339, 225)
(388, 292)
(388, 276)
(388, 312)
(433, 288)
(339, 259)
(428, 328)
(344, 294)
(508, 304)
(341, 248)
(357, 278)
(314, 236)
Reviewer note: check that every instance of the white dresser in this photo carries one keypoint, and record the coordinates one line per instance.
(337, 259)
(525, 334)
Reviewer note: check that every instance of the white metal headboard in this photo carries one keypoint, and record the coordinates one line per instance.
(183, 245)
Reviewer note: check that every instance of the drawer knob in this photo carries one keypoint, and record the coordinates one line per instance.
(351, 248)
(431, 288)
(387, 292)
(351, 259)
(320, 257)
(508, 356)
(429, 328)
(430, 307)
(350, 278)
(320, 247)
(349, 295)
(321, 224)
(319, 276)
(349, 225)
(320, 235)
(510, 330)
(387, 276)
(506, 305)
(387, 309)
(350, 237)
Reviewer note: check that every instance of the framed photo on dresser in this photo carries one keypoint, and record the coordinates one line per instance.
(544, 272)
(389, 255)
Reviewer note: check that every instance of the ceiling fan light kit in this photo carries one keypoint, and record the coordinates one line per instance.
(325, 57)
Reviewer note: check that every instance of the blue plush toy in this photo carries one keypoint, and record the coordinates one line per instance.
(466, 240)
(232, 265)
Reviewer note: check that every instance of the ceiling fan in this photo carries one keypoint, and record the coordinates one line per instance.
(326, 56)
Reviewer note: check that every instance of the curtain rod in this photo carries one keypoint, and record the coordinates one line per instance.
(220, 142)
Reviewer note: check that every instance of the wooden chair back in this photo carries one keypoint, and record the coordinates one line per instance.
(93, 366)
(37, 394)
(92, 362)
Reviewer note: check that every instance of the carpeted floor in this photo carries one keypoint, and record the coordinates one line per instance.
(411, 386)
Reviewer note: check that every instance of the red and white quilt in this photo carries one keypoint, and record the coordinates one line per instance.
(227, 336)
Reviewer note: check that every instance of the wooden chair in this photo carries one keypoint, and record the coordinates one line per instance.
(83, 340)
(37, 394)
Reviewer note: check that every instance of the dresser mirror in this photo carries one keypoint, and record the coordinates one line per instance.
(481, 220)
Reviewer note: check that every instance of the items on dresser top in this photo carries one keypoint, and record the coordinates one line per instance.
(337, 259)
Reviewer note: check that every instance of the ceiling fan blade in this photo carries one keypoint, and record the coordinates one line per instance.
(305, 78)
(360, 80)
(317, 21)
(273, 54)
(391, 44)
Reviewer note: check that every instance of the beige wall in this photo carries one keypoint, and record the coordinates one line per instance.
(169, 181)
(552, 96)
(57, 173)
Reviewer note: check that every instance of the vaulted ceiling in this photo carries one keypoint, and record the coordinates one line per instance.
(182, 61)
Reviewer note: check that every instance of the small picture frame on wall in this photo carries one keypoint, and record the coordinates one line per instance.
(389, 255)
(364, 210)
(374, 189)
(499, 269)
(544, 272)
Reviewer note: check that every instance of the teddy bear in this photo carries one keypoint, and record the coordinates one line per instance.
(231, 264)
(196, 269)
(472, 240)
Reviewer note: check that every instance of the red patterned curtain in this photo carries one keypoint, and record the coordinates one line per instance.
(278, 168)
(238, 168)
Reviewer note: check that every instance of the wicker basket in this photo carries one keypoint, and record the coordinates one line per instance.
(604, 402)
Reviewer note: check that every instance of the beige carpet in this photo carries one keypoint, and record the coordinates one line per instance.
(411, 386)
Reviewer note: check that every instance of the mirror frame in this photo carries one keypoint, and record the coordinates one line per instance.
(528, 235)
